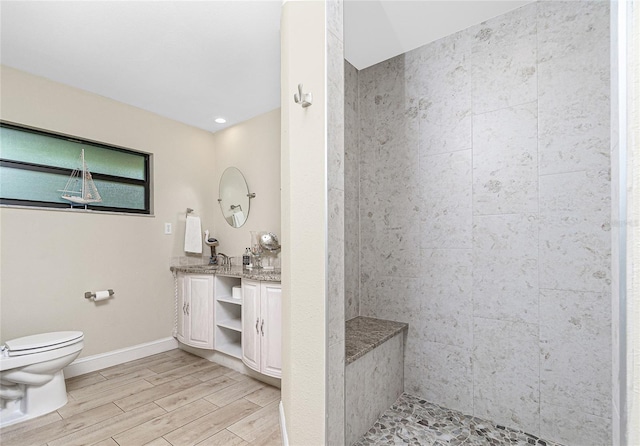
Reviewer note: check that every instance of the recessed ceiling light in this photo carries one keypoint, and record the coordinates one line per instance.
(221, 120)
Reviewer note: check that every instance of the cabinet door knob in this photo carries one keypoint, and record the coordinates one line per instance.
(262, 327)
(257, 322)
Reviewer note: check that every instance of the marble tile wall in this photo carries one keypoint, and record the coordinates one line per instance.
(616, 229)
(351, 193)
(335, 427)
(483, 205)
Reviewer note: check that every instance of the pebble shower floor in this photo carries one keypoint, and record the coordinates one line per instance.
(416, 422)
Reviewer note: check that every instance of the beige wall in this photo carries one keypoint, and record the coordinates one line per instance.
(253, 147)
(304, 223)
(50, 258)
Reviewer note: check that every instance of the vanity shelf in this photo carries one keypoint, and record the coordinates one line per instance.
(228, 317)
(231, 324)
(232, 349)
(229, 300)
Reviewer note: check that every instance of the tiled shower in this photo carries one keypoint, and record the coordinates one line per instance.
(478, 208)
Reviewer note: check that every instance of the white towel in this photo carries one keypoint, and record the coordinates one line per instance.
(238, 219)
(193, 235)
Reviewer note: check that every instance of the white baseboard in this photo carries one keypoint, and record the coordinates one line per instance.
(115, 357)
(283, 426)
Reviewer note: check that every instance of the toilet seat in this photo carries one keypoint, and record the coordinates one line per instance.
(42, 342)
(31, 374)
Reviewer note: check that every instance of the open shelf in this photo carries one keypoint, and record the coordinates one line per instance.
(228, 341)
(231, 324)
(228, 317)
(224, 285)
(229, 300)
(231, 349)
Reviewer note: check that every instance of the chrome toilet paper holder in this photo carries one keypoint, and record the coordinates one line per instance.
(92, 295)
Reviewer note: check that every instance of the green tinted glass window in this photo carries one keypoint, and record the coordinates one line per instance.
(35, 167)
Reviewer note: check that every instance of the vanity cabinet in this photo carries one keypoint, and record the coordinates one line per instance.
(209, 315)
(195, 310)
(262, 327)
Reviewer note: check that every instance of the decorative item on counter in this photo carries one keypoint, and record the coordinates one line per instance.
(246, 258)
(269, 242)
(212, 243)
(256, 249)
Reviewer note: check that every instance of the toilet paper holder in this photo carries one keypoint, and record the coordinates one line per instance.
(92, 295)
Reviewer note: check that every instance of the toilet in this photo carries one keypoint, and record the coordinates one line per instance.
(31, 378)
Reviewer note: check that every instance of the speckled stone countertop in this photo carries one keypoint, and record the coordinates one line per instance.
(363, 334)
(265, 275)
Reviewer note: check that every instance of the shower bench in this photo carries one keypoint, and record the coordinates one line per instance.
(374, 375)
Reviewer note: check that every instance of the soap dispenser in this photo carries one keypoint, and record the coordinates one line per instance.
(246, 258)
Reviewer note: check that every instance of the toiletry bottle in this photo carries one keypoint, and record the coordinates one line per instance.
(246, 258)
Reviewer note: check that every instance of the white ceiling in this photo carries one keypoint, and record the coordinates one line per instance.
(187, 60)
(194, 61)
(378, 30)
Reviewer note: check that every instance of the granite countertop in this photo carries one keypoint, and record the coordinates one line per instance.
(265, 275)
(363, 334)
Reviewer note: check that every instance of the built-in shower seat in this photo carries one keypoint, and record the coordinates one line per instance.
(374, 375)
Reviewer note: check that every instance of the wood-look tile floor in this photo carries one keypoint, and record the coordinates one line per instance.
(173, 398)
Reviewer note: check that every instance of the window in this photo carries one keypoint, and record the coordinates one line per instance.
(36, 165)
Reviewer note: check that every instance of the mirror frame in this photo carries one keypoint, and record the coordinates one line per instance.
(233, 193)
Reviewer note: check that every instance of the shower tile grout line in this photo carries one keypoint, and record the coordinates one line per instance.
(538, 226)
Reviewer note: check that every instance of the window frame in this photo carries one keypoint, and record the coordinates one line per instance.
(146, 182)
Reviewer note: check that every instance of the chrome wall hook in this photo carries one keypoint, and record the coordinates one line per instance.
(304, 99)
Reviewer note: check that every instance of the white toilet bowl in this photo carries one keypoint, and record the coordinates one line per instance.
(31, 378)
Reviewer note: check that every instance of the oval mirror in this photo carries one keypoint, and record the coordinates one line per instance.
(234, 197)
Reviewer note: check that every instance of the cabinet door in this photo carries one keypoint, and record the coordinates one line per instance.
(199, 311)
(271, 336)
(251, 324)
(181, 310)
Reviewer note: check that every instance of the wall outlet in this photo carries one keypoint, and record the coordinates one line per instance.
(167, 228)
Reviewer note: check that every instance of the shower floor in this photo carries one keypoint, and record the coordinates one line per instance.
(414, 421)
